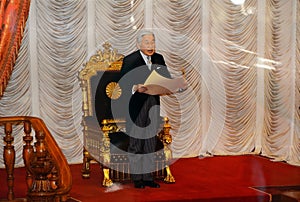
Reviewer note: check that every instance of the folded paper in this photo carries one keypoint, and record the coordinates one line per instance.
(159, 85)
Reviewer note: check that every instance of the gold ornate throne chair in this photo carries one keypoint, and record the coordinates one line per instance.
(105, 140)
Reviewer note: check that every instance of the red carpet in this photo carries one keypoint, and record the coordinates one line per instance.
(217, 179)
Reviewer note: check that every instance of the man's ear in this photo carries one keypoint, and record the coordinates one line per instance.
(138, 45)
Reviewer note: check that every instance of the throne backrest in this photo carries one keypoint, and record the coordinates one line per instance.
(99, 82)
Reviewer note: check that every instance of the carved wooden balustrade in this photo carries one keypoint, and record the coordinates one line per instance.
(48, 175)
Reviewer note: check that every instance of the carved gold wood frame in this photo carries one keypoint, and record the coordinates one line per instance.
(106, 60)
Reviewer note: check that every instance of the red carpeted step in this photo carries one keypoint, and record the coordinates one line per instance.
(213, 179)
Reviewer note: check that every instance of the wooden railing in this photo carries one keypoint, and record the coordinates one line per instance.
(48, 174)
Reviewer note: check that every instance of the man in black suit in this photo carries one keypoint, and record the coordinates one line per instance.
(143, 117)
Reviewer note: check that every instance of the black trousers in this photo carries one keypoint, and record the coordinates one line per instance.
(142, 141)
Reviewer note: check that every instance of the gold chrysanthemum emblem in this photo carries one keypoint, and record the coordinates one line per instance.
(113, 90)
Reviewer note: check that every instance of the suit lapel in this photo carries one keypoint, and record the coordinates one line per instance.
(140, 60)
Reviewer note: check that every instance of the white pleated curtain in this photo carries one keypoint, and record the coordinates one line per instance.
(242, 63)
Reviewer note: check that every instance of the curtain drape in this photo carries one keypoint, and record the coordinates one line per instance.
(242, 64)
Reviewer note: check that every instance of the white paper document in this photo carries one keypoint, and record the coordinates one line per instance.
(159, 85)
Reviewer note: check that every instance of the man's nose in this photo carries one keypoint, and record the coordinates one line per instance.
(150, 46)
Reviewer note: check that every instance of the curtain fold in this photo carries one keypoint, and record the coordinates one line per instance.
(61, 51)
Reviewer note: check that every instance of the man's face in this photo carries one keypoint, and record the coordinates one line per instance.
(147, 45)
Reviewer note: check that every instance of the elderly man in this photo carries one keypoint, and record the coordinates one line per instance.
(143, 117)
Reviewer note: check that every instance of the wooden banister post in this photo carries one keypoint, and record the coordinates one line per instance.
(27, 151)
(9, 159)
(41, 166)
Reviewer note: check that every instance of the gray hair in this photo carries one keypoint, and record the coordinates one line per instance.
(142, 33)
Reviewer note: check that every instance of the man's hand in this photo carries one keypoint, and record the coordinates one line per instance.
(140, 88)
(183, 86)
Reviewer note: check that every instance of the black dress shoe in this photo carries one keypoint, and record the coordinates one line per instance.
(151, 184)
(139, 184)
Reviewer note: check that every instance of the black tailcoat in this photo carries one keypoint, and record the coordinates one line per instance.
(139, 126)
